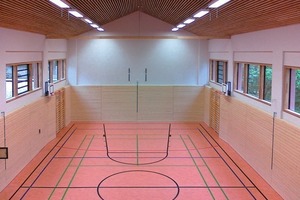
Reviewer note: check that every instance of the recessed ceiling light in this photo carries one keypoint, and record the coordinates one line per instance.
(75, 13)
(181, 26)
(100, 29)
(94, 25)
(188, 21)
(201, 13)
(218, 3)
(175, 29)
(60, 4)
(88, 21)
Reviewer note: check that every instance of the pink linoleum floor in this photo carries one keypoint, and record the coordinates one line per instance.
(138, 161)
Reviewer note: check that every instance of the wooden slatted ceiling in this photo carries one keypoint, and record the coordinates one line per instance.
(237, 16)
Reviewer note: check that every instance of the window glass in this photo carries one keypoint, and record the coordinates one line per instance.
(23, 78)
(220, 72)
(253, 80)
(55, 70)
(294, 90)
(36, 70)
(240, 76)
(267, 83)
(63, 69)
(9, 82)
(297, 91)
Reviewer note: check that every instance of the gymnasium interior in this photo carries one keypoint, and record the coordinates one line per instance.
(149, 99)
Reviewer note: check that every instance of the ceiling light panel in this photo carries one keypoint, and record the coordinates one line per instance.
(60, 3)
(201, 13)
(88, 21)
(188, 21)
(218, 3)
(181, 26)
(75, 13)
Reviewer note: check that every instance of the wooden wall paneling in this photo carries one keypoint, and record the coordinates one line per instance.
(233, 120)
(188, 103)
(259, 141)
(119, 103)
(2, 162)
(86, 103)
(60, 109)
(249, 131)
(286, 170)
(68, 104)
(206, 104)
(28, 130)
(214, 110)
(155, 103)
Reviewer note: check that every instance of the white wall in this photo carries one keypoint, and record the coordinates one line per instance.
(274, 46)
(20, 46)
(251, 131)
(145, 42)
(26, 136)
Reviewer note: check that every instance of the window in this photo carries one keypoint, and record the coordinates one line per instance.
(9, 82)
(56, 70)
(22, 78)
(293, 91)
(254, 80)
(218, 71)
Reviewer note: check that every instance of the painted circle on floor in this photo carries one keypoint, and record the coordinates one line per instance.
(138, 184)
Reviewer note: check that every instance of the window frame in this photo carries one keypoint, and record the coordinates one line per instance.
(30, 79)
(61, 70)
(288, 80)
(242, 86)
(214, 71)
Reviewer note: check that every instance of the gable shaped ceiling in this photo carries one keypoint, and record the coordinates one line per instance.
(235, 17)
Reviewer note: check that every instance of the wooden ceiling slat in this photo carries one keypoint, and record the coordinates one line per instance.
(237, 16)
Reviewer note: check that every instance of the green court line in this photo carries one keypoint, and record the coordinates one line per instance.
(78, 166)
(64, 172)
(198, 169)
(212, 174)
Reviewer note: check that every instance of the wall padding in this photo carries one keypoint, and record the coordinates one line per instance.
(28, 130)
(2, 162)
(250, 132)
(60, 109)
(188, 103)
(142, 103)
(119, 103)
(86, 103)
(214, 110)
(155, 103)
(286, 176)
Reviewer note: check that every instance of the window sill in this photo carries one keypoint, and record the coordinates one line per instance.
(22, 95)
(254, 98)
(292, 112)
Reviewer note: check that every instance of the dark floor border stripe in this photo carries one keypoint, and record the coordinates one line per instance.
(231, 161)
(41, 161)
(55, 146)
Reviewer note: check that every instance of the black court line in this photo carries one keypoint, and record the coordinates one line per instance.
(41, 162)
(124, 187)
(232, 161)
(48, 162)
(73, 133)
(141, 187)
(137, 150)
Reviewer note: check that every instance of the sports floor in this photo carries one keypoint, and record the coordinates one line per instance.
(138, 161)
